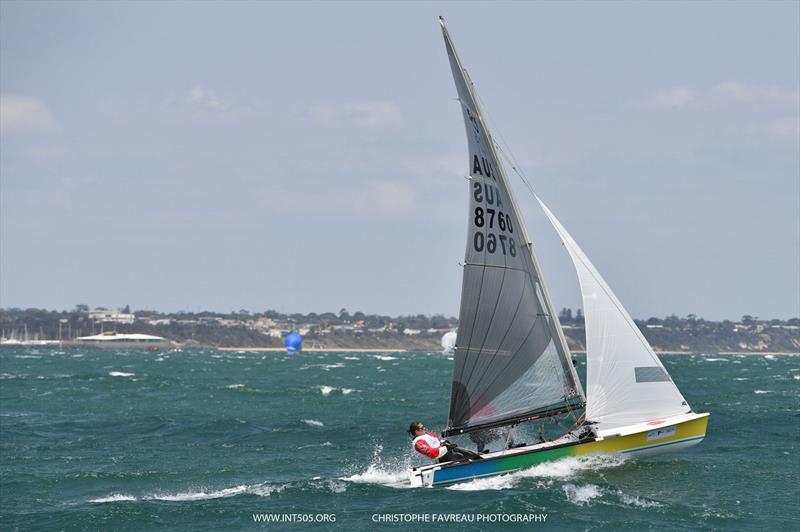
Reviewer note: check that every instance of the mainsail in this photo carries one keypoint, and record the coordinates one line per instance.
(511, 359)
(625, 381)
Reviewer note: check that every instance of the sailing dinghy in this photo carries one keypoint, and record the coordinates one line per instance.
(511, 361)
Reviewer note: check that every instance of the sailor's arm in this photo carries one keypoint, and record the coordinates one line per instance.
(423, 448)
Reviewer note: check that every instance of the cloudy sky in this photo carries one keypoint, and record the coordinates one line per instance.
(310, 156)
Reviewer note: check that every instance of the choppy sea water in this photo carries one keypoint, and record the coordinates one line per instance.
(202, 440)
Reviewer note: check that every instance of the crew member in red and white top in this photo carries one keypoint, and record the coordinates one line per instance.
(428, 443)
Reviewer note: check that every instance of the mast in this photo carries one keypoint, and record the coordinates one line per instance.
(512, 338)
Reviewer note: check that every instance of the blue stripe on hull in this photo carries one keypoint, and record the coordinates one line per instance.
(477, 469)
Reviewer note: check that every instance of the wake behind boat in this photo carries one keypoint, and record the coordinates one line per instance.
(511, 361)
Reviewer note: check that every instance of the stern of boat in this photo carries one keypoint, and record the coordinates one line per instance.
(422, 476)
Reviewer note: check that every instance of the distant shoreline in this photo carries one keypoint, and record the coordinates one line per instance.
(387, 350)
(313, 349)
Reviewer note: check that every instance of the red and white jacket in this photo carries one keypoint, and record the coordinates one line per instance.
(429, 445)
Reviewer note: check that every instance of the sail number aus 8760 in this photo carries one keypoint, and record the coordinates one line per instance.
(490, 242)
(503, 220)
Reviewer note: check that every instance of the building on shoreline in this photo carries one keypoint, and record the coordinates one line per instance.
(113, 340)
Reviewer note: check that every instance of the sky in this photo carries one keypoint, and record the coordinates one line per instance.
(310, 156)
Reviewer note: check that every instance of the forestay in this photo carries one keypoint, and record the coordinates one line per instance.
(511, 358)
(625, 381)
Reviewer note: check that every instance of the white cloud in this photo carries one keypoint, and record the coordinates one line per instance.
(728, 94)
(676, 98)
(784, 129)
(24, 113)
(735, 93)
(367, 115)
(376, 200)
(202, 104)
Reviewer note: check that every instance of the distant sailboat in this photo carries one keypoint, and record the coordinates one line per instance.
(512, 363)
(449, 342)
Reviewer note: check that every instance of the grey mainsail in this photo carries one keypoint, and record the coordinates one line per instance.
(511, 360)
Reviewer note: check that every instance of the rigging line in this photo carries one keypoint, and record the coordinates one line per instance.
(602, 285)
(511, 159)
(565, 358)
(563, 389)
(552, 323)
(599, 282)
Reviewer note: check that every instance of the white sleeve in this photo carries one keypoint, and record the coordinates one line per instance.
(442, 451)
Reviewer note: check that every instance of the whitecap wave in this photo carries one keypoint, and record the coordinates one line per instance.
(121, 374)
(770, 357)
(198, 495)
(716, 360)
(582, 495)
(327, 390)
(633, 500)
(384, 357)
(761, 392)
(114, 497)
(313, 422)
(262, 490)
(332, 485)
(235, 386)
(323, 444)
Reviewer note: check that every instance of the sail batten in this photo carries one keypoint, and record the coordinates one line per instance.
(510, 354)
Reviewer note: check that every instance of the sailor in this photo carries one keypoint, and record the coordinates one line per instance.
(429, 444)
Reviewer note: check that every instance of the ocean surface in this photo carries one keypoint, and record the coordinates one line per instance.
(203, 440)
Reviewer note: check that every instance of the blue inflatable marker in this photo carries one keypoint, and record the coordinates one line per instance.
(293, 342)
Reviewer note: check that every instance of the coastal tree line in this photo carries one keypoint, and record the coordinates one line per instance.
(358, 329)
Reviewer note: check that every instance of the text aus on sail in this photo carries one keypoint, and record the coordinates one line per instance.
(493, 230)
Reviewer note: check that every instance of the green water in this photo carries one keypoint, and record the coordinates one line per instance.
(200, 440)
